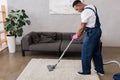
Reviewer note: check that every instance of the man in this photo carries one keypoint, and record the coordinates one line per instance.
(91, 44)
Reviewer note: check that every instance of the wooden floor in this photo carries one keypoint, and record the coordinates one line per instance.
(11, 65)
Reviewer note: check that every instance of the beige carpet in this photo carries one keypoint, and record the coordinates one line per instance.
(65, 70)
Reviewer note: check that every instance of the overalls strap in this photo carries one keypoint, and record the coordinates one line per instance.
(92, 9)
(97, 24)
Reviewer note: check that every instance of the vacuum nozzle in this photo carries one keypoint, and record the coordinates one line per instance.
(51, 67)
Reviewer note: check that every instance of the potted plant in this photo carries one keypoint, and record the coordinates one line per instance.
(14, 26)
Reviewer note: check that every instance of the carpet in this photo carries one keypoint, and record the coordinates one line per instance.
(65, 70)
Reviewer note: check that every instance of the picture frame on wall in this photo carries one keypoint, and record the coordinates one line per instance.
(61, 7)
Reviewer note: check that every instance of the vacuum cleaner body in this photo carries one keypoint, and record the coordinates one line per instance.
(116, 76)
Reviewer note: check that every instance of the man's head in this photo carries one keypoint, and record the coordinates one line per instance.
(78, 5)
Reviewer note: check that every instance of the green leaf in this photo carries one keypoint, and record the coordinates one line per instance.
(21, 17)
(21, 23)
(23, 10)
(25, 16)
(7, 19)
(28, 22)
(12, 11)
(19, 32)
(18, 10)
(8, 27)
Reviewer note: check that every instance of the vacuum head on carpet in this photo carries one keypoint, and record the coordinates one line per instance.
(51, 67)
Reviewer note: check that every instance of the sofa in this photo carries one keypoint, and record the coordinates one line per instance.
(51, 42)
(41, 41)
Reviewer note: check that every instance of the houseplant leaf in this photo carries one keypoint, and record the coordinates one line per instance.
(19, 32)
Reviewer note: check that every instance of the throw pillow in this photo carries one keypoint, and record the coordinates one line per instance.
(35, 37)
(47, 37)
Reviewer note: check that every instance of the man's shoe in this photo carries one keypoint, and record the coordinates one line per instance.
(84, 73)
(101, 74)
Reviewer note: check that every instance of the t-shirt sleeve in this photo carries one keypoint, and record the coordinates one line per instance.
(85, 15)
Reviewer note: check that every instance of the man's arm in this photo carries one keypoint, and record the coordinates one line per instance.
(82, 28)
(80, 31)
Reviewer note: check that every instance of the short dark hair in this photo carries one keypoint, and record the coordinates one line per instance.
(76, 2)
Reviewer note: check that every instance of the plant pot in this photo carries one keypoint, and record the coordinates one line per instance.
(11, 44)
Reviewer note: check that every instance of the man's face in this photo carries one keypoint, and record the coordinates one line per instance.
(78, 7)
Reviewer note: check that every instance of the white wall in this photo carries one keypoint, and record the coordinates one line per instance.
(38, 11)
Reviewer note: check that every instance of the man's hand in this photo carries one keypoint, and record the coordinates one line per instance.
(75, 36)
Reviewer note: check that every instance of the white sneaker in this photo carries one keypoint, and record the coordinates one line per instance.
(101, 74)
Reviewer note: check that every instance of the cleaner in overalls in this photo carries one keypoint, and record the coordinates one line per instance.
(91, 45)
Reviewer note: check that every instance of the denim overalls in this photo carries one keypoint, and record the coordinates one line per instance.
(91, 47)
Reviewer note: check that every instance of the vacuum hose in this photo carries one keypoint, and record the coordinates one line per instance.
(113, 61)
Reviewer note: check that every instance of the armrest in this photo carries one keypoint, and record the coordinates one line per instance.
(26, 41)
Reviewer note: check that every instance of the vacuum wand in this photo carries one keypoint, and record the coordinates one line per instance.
(52, 67)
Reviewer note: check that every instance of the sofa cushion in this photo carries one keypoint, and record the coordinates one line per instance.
(47, 37)
(35, 37)
(72, 47)
(46, 46)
